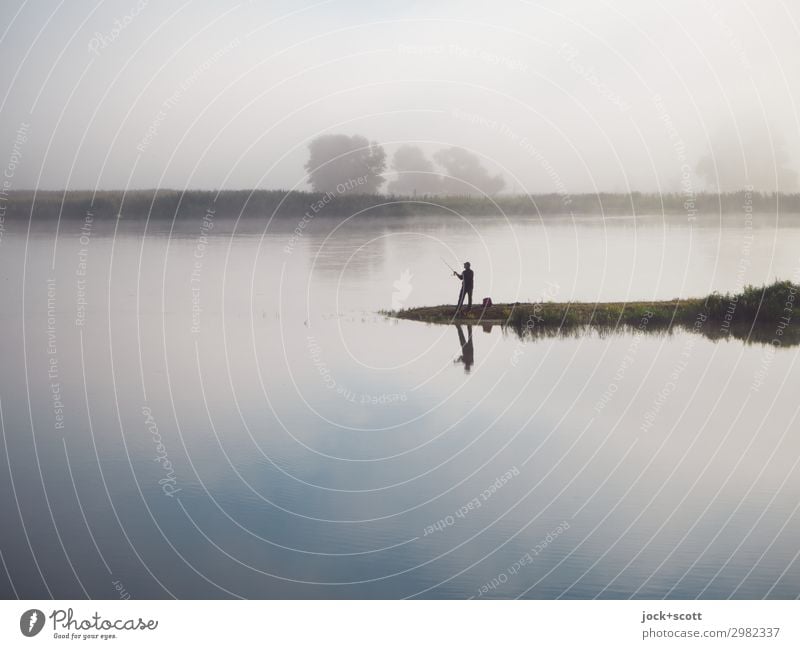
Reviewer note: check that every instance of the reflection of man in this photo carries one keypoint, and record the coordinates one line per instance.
(467, 352)
(466, 286)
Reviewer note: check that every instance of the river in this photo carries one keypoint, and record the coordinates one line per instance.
(219, 409)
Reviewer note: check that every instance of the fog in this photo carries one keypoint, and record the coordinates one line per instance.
(541, 96)
(459, 172)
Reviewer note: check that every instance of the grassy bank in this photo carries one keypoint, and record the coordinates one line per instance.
(765, 314)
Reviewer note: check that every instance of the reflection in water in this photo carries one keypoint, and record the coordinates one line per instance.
(467, 351)
(787, 336)
(758, 334)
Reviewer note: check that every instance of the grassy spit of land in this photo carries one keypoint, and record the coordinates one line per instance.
(766, 313)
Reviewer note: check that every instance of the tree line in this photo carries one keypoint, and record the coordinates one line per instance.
(341, 164)
(171, 204)
(346, 174)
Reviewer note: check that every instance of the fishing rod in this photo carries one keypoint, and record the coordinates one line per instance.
(448, 265)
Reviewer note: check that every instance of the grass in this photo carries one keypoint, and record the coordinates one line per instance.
(764, 314)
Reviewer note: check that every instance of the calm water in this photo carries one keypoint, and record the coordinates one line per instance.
(210, 413)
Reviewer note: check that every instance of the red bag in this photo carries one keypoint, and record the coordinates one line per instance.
(487, 301)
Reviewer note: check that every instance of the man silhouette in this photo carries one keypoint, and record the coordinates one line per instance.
(466, 286)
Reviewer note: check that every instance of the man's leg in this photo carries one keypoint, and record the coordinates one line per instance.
(469, 301)
(460, 299)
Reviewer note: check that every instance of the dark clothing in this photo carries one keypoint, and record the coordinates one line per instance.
(466, 287)
(462, 293)
(466, 278)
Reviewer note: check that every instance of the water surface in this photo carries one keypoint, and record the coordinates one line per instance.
(219, 410)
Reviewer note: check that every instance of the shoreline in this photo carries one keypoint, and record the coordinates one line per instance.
(163, 204)
(764, 314)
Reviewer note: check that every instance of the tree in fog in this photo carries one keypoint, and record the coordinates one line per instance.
(747, 156)
(415, 173)
(345, 164)
(465, 173)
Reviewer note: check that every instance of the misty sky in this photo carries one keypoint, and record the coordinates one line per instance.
(555, 96)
